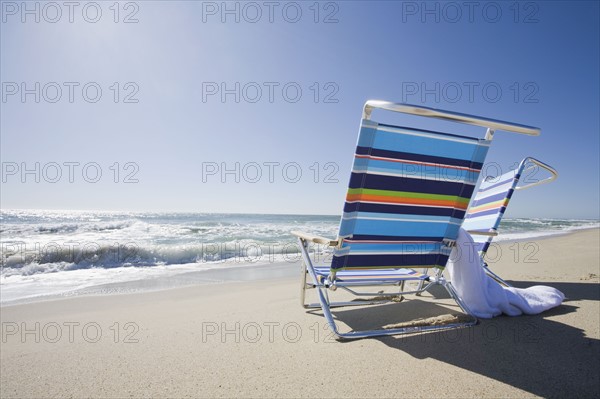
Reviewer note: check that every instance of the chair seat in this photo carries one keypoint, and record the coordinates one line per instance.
(387, 275)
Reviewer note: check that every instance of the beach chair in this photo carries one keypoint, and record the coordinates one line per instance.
(489, 204)
(408, 193)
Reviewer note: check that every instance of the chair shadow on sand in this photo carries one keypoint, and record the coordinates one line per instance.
(532, 353)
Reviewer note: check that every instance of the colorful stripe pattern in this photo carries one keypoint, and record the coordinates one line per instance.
(489, 204)
(408, 194)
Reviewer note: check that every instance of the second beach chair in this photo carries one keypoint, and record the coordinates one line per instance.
(408, 194)
(489, 204)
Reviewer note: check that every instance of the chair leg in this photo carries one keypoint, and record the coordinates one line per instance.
(496, 277)
(303, 272)
(450, 288)
(421, 283)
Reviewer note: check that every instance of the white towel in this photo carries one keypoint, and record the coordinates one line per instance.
(485, 297)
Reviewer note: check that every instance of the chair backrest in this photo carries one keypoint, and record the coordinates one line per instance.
(407, 197)
(492, 198)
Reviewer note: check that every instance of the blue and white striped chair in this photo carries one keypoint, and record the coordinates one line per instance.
(492, 199)
(408, 194)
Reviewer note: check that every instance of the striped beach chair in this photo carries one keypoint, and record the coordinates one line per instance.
(492, 199)
(408, 194)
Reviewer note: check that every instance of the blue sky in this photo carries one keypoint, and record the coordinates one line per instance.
(295, 78)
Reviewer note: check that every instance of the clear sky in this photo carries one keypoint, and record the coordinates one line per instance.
(167, 111)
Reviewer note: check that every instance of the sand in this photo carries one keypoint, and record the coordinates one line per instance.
(252, 339)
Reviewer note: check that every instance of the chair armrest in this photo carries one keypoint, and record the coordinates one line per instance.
(491, 233)
(553, 172)
(315, 239)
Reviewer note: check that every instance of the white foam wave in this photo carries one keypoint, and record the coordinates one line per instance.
(532, 234)
(62, 251)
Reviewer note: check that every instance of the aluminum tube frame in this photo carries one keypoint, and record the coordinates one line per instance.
(491, 124)
(325, 304)
(495, 276)
(553, 172)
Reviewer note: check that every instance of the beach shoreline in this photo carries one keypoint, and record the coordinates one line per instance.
(218, 275)
(252, 339)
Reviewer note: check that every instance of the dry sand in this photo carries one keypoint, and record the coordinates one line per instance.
(252, 339)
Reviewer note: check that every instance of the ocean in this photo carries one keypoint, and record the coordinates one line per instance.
(49, 254)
